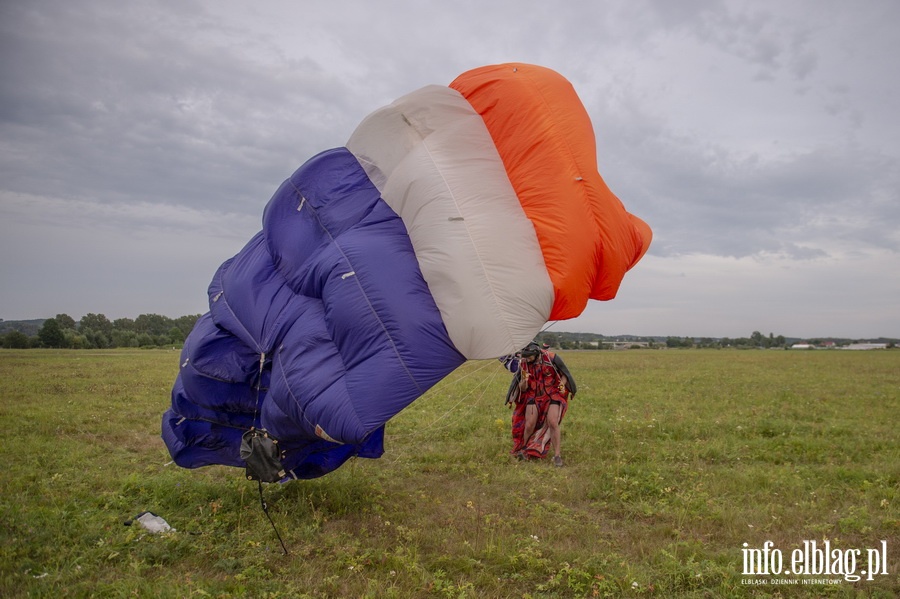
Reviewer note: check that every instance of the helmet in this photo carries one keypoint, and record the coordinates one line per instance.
(532, 349)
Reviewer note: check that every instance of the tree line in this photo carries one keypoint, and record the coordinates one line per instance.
(756, 340)
(96, 331)
(593, 341)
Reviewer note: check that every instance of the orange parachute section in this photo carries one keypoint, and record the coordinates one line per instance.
(546, 141)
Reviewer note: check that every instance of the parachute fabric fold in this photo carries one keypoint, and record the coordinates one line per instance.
(329, 306)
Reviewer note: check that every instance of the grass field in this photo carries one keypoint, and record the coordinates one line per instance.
(675, 460)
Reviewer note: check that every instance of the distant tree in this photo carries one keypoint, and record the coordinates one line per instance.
(65, 321)
(176, 336)
(152, 324)
(51, 334)
(96, 339)
(95, 322)
(144, 340)
(186, 323)
(76, 340)
(123, 338)
(123, 324)
(679, 342)
(15, 340)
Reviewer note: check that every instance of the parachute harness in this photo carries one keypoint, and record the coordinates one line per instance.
(534, 370)
(260, 452)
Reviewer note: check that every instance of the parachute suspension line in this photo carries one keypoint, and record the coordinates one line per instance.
(262, 501)
(262, 360)
(484, 383)
(265, 509)
(548, 325)
(484, 364)
(431, 428)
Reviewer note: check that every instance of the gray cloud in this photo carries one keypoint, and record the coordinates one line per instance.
(758, 136)
(124, 111)
(719, 202)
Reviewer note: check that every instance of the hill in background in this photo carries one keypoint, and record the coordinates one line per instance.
(28, 327)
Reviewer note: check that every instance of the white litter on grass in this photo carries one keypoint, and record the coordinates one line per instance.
(153, 523)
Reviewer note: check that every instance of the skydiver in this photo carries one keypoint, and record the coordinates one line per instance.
(540, 392)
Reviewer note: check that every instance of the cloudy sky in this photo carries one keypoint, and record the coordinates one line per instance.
(139, 143)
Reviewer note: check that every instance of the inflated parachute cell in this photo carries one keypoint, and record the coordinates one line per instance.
(455, 223)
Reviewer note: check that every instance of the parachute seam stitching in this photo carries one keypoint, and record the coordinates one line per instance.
(595, 216)
(477, 252)
(591, 210)
(291, 392)
(364, 295)
(236, 319)
(221, 279)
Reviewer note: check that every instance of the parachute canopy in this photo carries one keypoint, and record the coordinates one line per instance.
(455, 223)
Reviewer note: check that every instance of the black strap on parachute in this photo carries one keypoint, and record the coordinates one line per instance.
(260, 452)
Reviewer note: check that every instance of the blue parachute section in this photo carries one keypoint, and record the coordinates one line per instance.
(319, 330)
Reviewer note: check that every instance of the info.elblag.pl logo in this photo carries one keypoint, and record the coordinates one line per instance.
(812, 558)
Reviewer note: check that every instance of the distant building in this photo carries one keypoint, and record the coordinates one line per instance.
(802, 346)
(859, 346)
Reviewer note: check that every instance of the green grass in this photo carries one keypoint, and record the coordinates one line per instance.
(675, 459)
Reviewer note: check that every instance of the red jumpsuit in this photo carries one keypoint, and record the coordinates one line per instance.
(544, 386)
